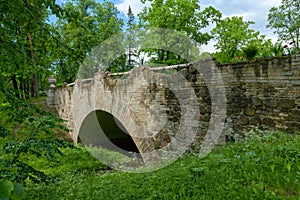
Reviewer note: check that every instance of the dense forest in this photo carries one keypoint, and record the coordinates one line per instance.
(42, 38)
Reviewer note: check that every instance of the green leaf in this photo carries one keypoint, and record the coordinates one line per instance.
(19, 192)
(6, 187)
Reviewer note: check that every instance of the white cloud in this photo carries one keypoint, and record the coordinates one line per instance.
(273, 38)
(245, 15)
(208, 48)
(267, 3)
(136, 6)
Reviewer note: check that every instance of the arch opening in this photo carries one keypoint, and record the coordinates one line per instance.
(115, 131)
(102, 129)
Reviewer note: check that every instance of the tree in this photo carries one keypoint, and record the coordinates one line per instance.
(131, 26)
(285, 20)
(181, 15)
(232, 35)
(23, 25)
(84, 25)
(25, 59)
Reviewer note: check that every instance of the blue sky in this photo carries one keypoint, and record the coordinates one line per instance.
(252, 10)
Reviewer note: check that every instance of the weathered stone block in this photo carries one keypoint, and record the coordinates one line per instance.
(288, 73)
(255, 121)
(256, 101)
(295, 82)
(268, 122)
(274, 71)
(202, 109)
(294, 115)
(250, 111)
(287, 103)
(205, 117)
(192, 69)
(242, 120)
(292, 126)
(271, 102)
(203, 92)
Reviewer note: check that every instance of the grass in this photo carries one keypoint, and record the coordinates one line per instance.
(37, 100)
(265, 167)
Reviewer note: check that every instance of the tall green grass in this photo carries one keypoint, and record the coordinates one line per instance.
(266, 167)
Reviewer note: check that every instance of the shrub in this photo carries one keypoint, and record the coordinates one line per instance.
(250, 52)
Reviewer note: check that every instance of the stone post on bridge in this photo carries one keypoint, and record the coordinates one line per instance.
(51, 102)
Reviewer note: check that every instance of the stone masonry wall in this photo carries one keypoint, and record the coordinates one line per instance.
(263, 94)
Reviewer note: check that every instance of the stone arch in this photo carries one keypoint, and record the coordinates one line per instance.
(108, 96)
(123, 99)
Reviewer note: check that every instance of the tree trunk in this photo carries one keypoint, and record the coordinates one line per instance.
(168, 55)
(26, 87)
(31, 88)
(34, 86)
(161, 55)
(41, 79)
(21, 88)
(15, 84)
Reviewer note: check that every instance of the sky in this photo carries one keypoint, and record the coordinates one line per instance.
(251, 10)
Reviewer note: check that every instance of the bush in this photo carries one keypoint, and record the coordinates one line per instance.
(250, 52)
(9, 190)
(278, 49)
(30, 130)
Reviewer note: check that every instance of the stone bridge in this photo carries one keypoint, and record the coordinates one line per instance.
(179, 108)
